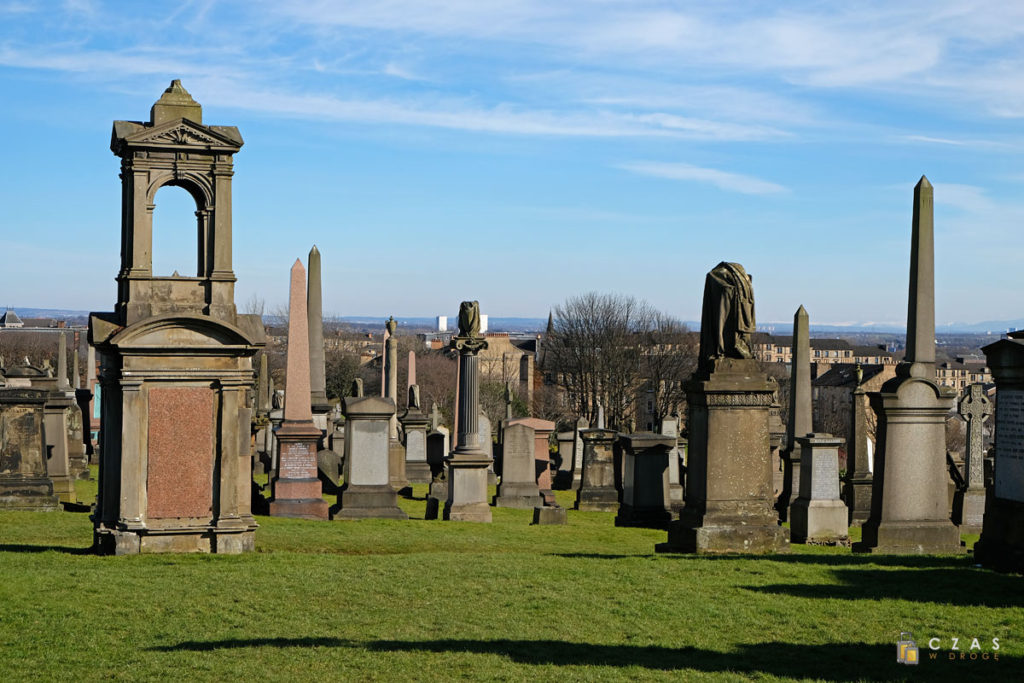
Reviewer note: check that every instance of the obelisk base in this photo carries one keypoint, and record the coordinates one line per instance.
(910, 538)
(296, 490)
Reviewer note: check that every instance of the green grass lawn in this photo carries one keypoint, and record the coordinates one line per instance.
(430, 600)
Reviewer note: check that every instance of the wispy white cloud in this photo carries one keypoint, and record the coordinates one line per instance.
(733, 182)
(969, 198)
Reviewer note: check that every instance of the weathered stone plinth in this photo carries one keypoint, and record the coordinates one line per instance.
(548, 515)
(729, 479)
(296, 488)
(467, 487)
(367, 492)
(518, 487)
(1002, 538)
(645, 495)
(396, 466)
(24, 482)
(597, 492)
(910, 503)
(414, 425)
(818, 516)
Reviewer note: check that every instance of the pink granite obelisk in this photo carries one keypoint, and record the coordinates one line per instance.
(296, 488)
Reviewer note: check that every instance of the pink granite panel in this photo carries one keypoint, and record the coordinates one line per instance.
(181, 438)
(297, 460)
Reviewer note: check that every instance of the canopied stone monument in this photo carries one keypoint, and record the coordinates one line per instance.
(910, 503)
(468, 464)
(729, 479)
(176, 357)
(1002, 536)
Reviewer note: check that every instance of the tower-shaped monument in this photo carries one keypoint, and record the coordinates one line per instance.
(176, 357)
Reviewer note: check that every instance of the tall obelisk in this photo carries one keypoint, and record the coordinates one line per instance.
(800, 412)
(910, 506)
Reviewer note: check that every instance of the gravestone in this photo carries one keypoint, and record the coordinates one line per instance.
(563, 466)
(176, 374)
(646, 500)
(367, 491)
(518, 487)
(729, 506)
(670, 428)
(974, 407)
(857, 486)
(414, 426)
(542, 430)
(24, 481)
(487, 445)
(818, 515)
(1002, 543)
(296, 488)
(597, 490)
(909, 498)
(577, 452)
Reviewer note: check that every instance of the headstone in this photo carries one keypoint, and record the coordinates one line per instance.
(24, 481)
(577, 452)
(1002, 544)
(367, 491)
(597, 490)
(800, 411)
(645, 492)
(974, 407)
(857, 486)
(296, 488)
(670, 428)
(818, 515)
(909, 499)
(545, 515)
(542, 430)
(177, 374)
(563, 472)
(414, 426)
(518, 487)
(487, 445)
(729, 507)
(468, 465)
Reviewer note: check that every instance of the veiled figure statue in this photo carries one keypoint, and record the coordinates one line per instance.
(469, 319)
(727, 318)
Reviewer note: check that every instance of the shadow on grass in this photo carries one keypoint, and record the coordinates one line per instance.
(839, 662)
(946, 586)
(838, 559)
(25, 548)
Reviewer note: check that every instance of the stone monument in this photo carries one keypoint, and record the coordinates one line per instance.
(729, 480)
(646, 500)
(597, 490)
(670, 428)
(296, 488)
(577, 452)
(974, 407)
(857, 485)
(176, 357)
(24, 481)
(800, 413)
(909, 500)
(414, 426)
(518, 487)
(467, 465)
(367, 491)
(818, 516)
(542, 430)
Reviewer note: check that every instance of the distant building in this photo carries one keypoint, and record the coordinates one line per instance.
(962, 372)
(10, 319)
(442, 323)
(825, 353)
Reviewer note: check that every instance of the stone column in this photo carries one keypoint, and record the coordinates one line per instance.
(909, 498)
(857, 486)
(974, 407)
(597, 490)
(1002, 544)
(818, 515)
(296, 489)
(800, 412)
(645, 493)
(467, 465)
(391, 371)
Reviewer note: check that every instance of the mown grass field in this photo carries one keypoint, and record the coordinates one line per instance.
(429, 600)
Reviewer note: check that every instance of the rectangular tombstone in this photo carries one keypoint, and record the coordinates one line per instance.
(542, 430)
(24, 482)
(645, 494)
(597, 492)
(563, 474)
(518, 487)
(818, 515)
(367, 491)
(577, 452)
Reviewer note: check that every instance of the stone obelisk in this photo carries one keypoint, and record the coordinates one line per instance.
(800, 412)
(910, 503)
(857, 485)
(315, 325)
(296, 488)
(468, 463)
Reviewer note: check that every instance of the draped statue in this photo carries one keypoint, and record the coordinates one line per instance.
(727, 317)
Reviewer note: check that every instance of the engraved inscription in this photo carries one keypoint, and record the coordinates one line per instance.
(298, 460)
(1009, 463)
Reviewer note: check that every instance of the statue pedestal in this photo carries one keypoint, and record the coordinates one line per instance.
(729, 478)
(467, 487)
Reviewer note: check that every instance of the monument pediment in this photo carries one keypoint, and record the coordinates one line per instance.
(193, 333)
(180, 133)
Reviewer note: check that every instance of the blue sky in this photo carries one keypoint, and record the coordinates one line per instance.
(522, 152)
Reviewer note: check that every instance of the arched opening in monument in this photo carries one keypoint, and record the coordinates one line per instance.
(175, 233)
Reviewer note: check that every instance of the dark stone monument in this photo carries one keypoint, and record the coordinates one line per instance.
(729, 502)
(597, 490)
(646, 500)
(857, 485)
(24, 482)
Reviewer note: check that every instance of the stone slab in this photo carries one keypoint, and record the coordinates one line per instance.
(549, 515)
